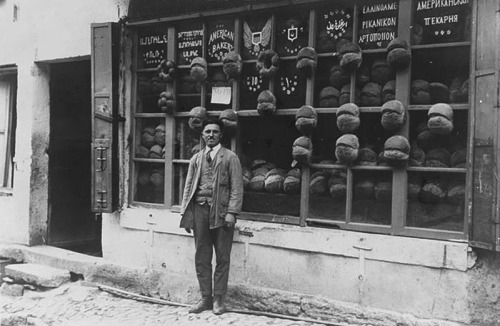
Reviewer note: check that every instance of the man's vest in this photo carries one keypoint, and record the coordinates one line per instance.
(205, 186)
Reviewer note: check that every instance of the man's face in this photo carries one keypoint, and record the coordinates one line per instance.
(211, 135)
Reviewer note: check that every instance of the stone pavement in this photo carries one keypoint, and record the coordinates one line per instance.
(78, 304)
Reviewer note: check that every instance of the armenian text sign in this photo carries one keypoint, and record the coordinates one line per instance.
(189, 44)
(152, 48)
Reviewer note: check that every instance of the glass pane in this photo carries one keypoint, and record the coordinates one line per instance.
(152, 46)
(189, 42)
(434, 150)
(437, 23)
(290, 88)
(188, 91)
(436, 200)
(440, 75)
(375, 80)
(251, 85)
(220, 39)
(150, 138)
(334, 27)
(149, 88)
(372, 197)
(292, 32)
(378, 24)
(187, 141)
(257, 34)
(327, 194)
(266, 157)
(150, 182)
(180, 173)
(217, 78)
(330, 79)
(3, 160)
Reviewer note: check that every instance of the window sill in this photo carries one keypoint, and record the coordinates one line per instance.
(410, 251)
(6, 192)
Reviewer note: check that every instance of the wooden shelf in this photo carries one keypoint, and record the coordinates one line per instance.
(149, 160)
(440, 170)
(145, 70)
(440, 45)
(149, 115)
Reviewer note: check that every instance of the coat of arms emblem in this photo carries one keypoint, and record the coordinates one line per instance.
(256, 41)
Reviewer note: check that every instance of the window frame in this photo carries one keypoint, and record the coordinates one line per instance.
(403, 79)
(9, 74)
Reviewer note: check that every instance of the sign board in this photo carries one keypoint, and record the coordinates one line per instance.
(189, 42)
(220, 39)
(378, 24)
(221, 95)
(257, 32)
(441, 21)
(290, 91)
(292, 34)
(152, 46)
(334, 24)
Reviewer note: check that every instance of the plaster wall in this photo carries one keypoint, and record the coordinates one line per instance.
(413, 276)
(35, 33)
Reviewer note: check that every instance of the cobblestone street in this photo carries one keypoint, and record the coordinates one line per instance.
(78, 304)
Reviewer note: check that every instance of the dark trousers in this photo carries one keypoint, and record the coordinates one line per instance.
(206, 240)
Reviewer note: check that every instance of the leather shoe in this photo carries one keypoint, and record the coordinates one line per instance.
(204, 304)
(219, 306)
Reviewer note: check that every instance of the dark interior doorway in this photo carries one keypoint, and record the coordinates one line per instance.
(72, 225)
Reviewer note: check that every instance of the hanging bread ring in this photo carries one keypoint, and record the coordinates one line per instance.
(166, 70)
(267, 63)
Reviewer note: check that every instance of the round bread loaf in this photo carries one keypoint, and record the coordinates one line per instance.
(292, 182)
(346, 148)
(274, 180)
(348, 118)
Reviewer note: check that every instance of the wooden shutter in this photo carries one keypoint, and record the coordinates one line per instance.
(104, 66)
(484, 224)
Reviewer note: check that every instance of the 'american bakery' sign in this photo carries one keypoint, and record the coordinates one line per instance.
(220, 40)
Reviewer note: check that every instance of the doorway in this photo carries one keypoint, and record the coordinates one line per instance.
(72, 225)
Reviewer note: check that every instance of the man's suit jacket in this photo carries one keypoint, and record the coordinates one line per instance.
(227, 188)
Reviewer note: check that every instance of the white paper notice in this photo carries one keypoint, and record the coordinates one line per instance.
(221, 95)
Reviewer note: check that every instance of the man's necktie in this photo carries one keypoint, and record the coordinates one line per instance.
(209, 158)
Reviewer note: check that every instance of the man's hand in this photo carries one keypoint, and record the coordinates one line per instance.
(229, 221)
(188, 230)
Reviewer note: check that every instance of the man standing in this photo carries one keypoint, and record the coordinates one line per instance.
(212, 198)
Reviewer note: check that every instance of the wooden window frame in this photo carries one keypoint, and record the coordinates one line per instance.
(403, 79)
(10, 74)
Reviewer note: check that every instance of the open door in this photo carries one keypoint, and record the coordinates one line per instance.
(104, 68)
(484, 226)
(72, 225)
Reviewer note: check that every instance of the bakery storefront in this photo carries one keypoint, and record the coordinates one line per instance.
(367, 131)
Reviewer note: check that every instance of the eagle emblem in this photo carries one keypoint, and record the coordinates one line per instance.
(254, 41)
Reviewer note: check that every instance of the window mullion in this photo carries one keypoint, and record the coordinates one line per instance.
(399, 176)
(170, 129)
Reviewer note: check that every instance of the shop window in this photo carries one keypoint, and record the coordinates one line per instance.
(8, 87)
(425, 195)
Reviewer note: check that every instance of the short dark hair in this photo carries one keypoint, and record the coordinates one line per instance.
(212, 121)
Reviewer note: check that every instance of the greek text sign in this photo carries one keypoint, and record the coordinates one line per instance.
(378, 24)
